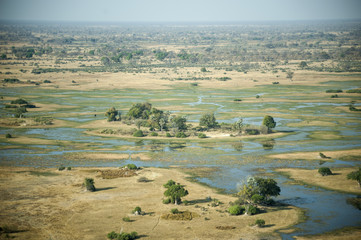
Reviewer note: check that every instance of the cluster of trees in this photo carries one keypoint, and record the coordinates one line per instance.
(145, 115)
(256, 191)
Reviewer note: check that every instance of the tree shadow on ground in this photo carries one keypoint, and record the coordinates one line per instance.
(104, 189)
(197, 201)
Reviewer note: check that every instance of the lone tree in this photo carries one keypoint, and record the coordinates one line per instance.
(89, 184)
(269, 122)
(356, 175)
(290, 75)
(208, 120)
(324, 171)
(259, 190)
(174, 192)
(112, 114)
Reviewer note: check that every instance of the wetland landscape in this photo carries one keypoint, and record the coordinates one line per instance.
(305, 75)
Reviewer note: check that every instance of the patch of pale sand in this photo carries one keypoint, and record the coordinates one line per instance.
(316, 155)
(338, 181)
(57, 207)
(312, 123)
(140, 156)
(105, 156)
(33, 141)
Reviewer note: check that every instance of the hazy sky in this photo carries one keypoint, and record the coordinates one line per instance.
(178, 10)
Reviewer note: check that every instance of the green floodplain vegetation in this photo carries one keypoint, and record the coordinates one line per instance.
(206, 99)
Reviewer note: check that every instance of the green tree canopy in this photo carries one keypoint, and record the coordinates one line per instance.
(140, 110)
(259, 190)
(178, 122)
(356, 175)
(175, 191)
(269, 122)
(111, 114)
(208, 120)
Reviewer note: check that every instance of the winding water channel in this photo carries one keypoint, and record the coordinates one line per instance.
(234, 161)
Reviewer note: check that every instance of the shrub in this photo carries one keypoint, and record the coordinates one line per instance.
(126, 219)
(237, 100)
(168, 134)
(138, 133)
(202, 135)
(354, 90)
(122, 236)
(137, 210)
(324, 171)
(47, 81)
(131, 166)
(334, 91)
(180, 135)
(167, 201)
(61, 168)
(334, 96)
(252, 131)
(89, 184)
(19, 101)
(68, 168)
(154, 134)
(260, 222)
(251, 210)
(8, 135)
(174, 211)
(235, 210)
(323, 156)
(356, 175)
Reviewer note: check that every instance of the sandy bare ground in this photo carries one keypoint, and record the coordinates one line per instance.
(52, 204)
(316, 155)
(338, 181)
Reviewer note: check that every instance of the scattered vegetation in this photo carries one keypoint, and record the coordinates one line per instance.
(355, 175)
(122, 236)
(89, 184)
(324, 171)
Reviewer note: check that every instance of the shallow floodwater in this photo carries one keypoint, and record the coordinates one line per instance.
(233, 161)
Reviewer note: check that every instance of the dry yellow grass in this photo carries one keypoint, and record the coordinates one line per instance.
(45, 204)
(316, 155)
(338, 181)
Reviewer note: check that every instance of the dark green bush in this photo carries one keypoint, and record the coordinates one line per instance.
(237, 100)
(126, 219)
(252, 210)
(174, 211)
(89, 184)
(358, 90)
(131, 166)
(68, 168)
(8, 135)
(168, 134)
(122, 236)
(260, 222)
(47, 81)
(180, 135)
(154, 134)
(324, 171)
(19, 101)
(167, 201)
(137, 210)
(257, 199)
(138, 133)
(61, 168)
(202, 135)
(236, 210)
(334, 91)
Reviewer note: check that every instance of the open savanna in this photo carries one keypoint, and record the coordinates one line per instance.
(47, 203)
